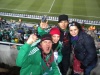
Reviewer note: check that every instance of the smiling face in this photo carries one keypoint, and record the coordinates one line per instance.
(73, 30)
(55, 38)
(46, 46)
(63, 24)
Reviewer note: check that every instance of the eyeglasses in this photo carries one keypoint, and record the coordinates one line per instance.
(71, 24)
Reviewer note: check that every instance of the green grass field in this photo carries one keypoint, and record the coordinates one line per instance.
(81, 9)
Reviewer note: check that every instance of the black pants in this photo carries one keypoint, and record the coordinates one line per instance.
(72, 73)
(64, 65)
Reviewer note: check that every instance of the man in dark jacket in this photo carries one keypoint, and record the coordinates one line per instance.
(65, 39)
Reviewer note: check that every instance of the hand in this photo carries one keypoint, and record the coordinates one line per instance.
(32, 38)
(44, 25)
(14, 46)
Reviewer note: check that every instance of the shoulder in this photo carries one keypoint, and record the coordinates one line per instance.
(86, 37)
(89, 37)
(34, 50)
(60, 43)
(39, 28)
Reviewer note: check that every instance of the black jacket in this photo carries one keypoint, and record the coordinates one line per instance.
(85, 49)
(65, 39)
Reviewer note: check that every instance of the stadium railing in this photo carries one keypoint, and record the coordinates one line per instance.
(51, 18)
(9, 43)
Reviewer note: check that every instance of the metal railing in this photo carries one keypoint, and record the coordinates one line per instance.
(51, 18)
(9, 43)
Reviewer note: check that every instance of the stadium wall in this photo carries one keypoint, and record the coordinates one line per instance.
(51, 18)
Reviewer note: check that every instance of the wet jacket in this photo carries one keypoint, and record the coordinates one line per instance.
(58, 49)
(85, 49)
(31, 63)
(66, 51)
(65, 39)
(40, 32)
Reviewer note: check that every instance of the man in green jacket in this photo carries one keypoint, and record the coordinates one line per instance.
(39, 59)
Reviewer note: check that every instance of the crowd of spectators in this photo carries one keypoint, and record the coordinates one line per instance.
(18, 32)
(13, 32)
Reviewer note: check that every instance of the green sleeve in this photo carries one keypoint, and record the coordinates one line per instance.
(59, 54)
(35, 43)
(41, 31)
(22, 54)
(55, 69)
(18, 47)
(59, 58)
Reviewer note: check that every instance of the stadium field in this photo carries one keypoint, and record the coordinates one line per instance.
(81, 9)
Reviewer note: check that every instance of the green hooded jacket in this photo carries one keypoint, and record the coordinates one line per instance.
(41, 31)
(31, 63)
(59, 48)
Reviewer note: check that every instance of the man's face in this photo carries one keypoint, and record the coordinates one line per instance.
(63, 24)
(46, 46)
(55, 38)
(44, 25)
